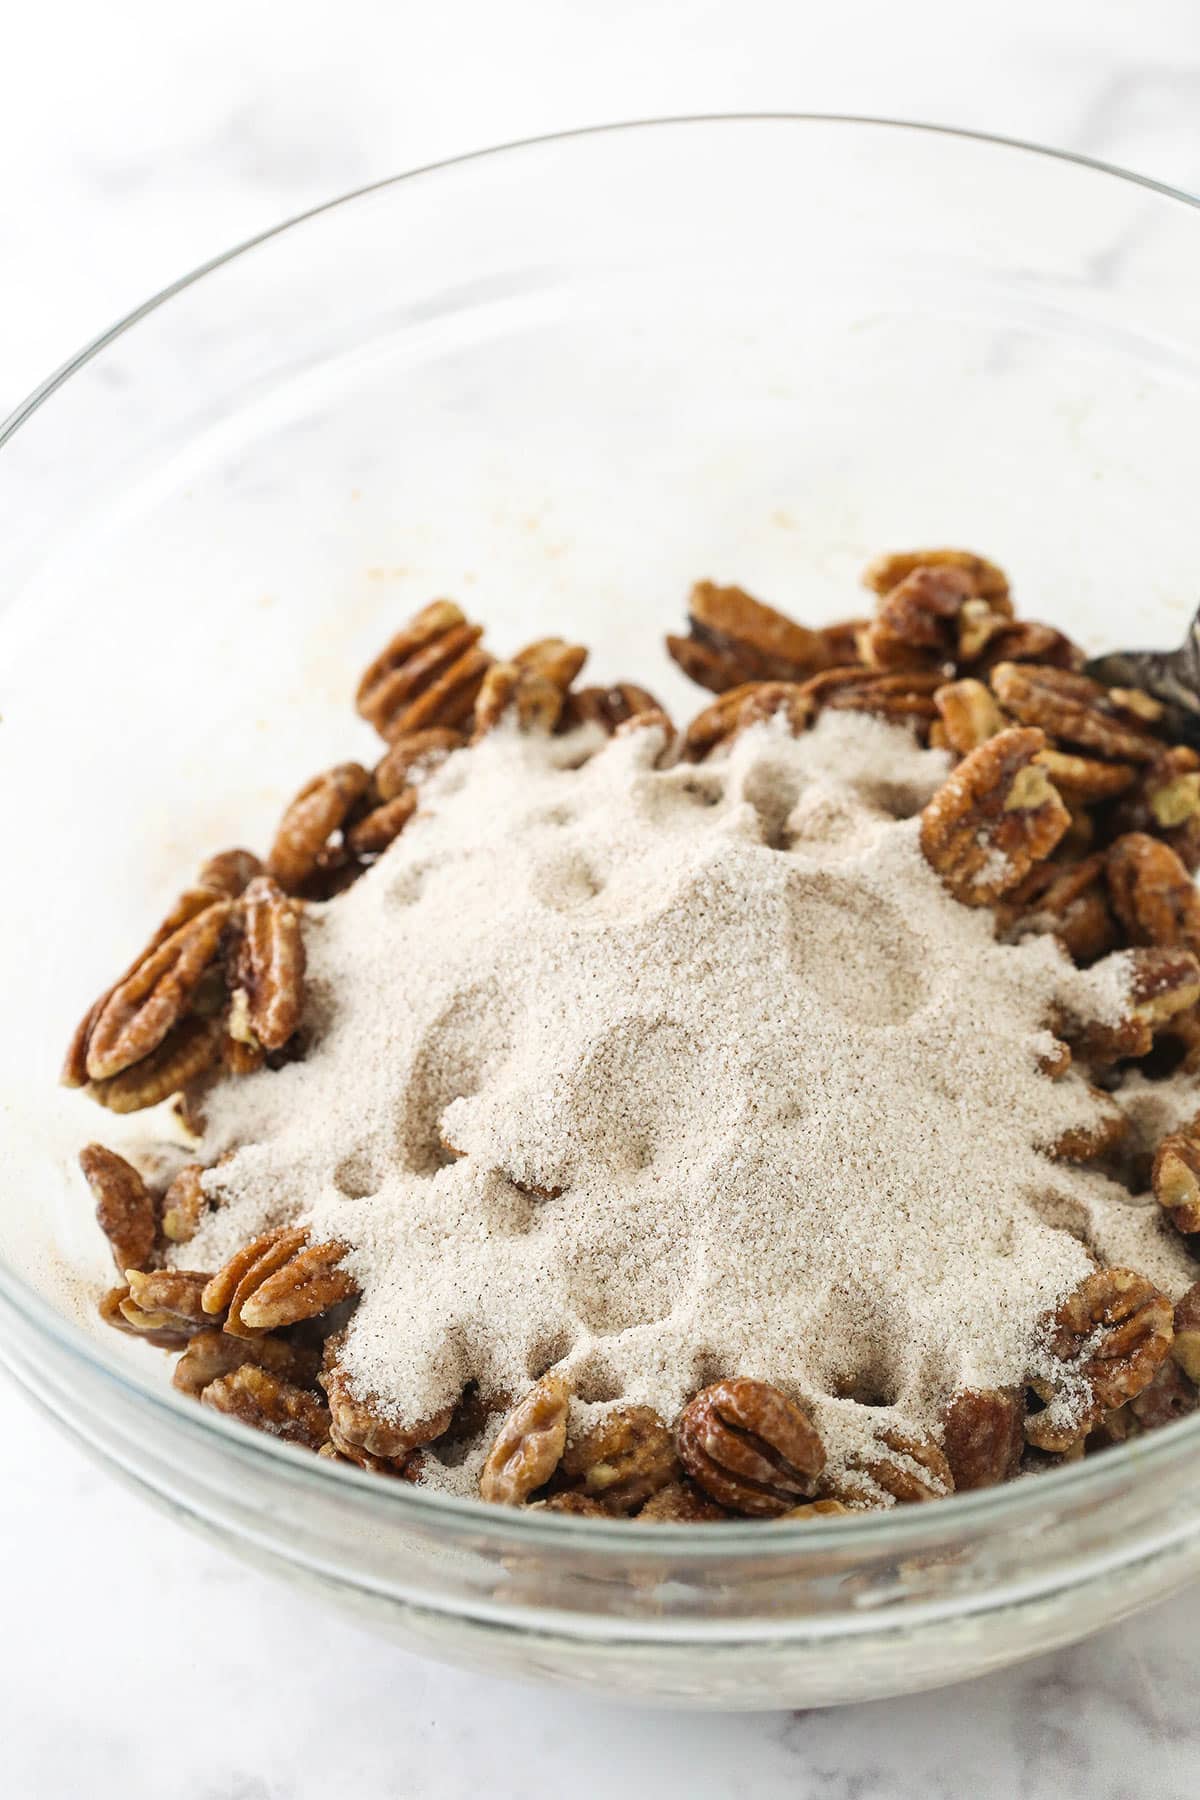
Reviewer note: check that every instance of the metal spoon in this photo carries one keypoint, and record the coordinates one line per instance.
(1172, 676)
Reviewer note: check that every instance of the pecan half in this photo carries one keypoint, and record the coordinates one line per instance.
(903, 698)
(1069, 705)
(320, 808)
(553, 658)
(809, 1511)
(270, 964)
(165, 1300)
(411, 758)
(372, 835)
(428, 672)
(735, 711)
(449, 701)
(1056, 1061)
(1175, 1177)
(1185, 1346)
(1171, 791)
(1110, 1335)
(534, 700)
(73, 1073)
(339, 1449)
(980, 622)
(1168, 1397)
(278, 1279)
(1090, 1143)
(229, 872)
(922, 1473)
(308, 1284)
(186, 1054)
(969, 715)
(361, 1425)
(750, 1448)
(606, 707)
(1068, 900)
(656, 721)
(1082, 780)
(141, 1010)
(570, 1501)
(681, 1503)
(735, 639)
(918, 621)
(983, 1436)
(126, 1210)
(528, 1446)
(1152, 893)
(622, 1460)
(172, 1336)
(841, 642)
(1160, 983)
(987, 581)
(222, 877)
(269, 1403)
(1026, 641)
(214, 1353)
(241, 1054)
(1166, 802)
(996, 815)
(184, 1205)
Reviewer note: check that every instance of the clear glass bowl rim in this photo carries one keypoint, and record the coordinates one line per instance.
(898, 1531)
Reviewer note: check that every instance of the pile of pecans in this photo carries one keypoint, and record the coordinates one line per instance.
(1067, 810)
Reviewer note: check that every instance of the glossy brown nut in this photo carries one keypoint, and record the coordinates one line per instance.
(413, 757)
(213, 1353)
(1152, 893)
(359, 1424)
(1162, 983)
(983, 1436)
(143, 1009)
(185, 1054)
(899, 698)
(320, 808)
(126, 1210)
(166, 1299)
(1071, 706)
(1111, 1334)
(375, 833)
(553, 658)
(270, 965)
(1091, 1142)
(917, 624)
(750, 1448)
(752, 703)
(607, 707)
(532, 700)
(969, 715)
(681, 1503)
(412, 661)
(1175, 1177)
(624, 1459)
(987, 579)
(270, 1403)
(1185, 1346)
(528, 1446)
(993, 819)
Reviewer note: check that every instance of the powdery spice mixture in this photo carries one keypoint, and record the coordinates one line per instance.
(660, 1075)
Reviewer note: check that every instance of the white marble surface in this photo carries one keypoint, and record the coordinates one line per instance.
(136, 141)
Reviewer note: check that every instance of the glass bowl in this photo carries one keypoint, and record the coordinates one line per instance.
(561, 381)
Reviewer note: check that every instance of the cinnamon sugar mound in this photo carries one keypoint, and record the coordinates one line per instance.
(658, 1075)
